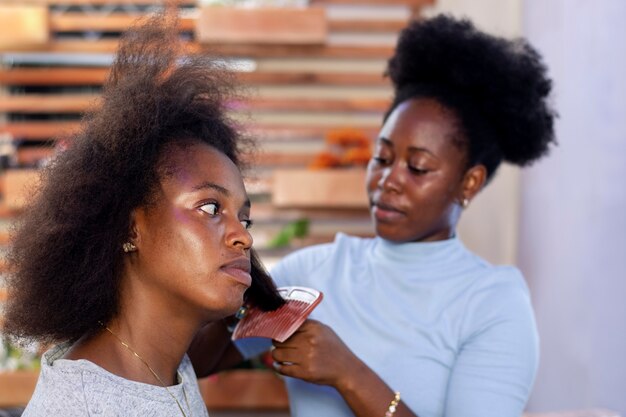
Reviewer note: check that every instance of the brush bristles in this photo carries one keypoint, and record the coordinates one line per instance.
(278, 324)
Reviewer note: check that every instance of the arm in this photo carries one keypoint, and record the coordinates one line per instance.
(316, 354)
(496, 365)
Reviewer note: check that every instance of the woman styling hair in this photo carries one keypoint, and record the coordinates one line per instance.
(413, 323)
(137, 237)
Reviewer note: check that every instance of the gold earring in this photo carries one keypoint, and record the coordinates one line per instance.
(129, 247)
(465, 203)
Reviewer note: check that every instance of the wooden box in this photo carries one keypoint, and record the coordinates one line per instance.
(291, 26)
(18, 186)
(23, 27)
(329, 188)
(17, 387)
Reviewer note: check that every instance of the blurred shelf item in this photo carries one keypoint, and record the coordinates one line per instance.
(336, 188)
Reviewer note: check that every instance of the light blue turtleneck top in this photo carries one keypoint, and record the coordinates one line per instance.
(455, 335)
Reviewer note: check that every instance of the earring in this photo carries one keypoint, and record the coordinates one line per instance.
(465, 203)
(129, 247)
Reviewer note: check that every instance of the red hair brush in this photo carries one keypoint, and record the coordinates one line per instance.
(282, 322)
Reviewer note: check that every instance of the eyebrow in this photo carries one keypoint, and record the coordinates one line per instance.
(219, 189)
(388, 142)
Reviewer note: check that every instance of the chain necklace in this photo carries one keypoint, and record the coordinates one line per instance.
(155, 374)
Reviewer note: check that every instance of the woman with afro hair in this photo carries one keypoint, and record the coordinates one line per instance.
(137, 237)
(413, 323)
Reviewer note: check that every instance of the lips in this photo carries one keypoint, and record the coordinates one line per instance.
(239, 269)
(385, 212)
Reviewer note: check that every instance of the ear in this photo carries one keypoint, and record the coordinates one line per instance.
(133, 230)
(473, 181)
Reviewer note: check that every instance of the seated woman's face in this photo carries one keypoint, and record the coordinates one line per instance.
(415, 176)
(193, 243)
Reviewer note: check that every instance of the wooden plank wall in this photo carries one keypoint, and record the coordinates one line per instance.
(298, 94)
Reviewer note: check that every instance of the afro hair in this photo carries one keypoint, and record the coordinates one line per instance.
(498, 88)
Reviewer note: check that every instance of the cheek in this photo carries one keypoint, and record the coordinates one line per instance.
(371, 177)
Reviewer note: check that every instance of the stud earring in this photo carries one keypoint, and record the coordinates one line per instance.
(465, 203)
(129, 247)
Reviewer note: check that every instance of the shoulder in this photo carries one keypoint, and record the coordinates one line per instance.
(304, 261)
(500, 298)
(59, 391)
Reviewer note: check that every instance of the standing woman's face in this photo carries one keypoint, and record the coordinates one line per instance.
(193, 243)
(417, 176)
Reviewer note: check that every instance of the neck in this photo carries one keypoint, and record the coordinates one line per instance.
(150, 325)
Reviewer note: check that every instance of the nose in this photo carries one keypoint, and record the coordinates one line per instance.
(391, 178)
(238, 236)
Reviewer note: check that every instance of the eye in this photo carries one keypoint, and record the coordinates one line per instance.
(210, 208)
(380, 160)
(418, 171)
(247, 223)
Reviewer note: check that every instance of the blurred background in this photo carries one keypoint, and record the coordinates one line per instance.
(315, 100)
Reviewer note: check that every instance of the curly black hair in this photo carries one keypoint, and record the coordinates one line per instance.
(66, 257)
(498, 88)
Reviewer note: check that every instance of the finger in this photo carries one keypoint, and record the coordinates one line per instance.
(308, 325)
(287, 369)
(285, 355)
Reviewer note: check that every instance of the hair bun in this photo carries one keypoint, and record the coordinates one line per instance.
(503, 81)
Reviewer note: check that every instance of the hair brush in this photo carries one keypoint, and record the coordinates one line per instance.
(282, 322)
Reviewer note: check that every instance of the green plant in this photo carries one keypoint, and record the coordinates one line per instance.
(13, 357)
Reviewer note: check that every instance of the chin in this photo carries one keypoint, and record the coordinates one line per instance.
(394, 234)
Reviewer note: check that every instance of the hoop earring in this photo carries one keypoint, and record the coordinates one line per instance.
(129, 247)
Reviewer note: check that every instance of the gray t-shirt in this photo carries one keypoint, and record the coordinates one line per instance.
(72, 388)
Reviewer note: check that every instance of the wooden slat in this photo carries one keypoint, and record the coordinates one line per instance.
(53, 76)
(102, 2)
(40, 130)
(32, 155)
(47, 103)
(119, 22)
(262, 212)
(411, 3)
(116, 22)
(47, 130)
(295, 133)
(254, 51)
(7, 212)
(77, 103)
(366, 25)
(96, 76)
(4, 237)
(306, 78)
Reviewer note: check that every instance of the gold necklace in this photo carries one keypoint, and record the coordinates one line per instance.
(155, 374)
